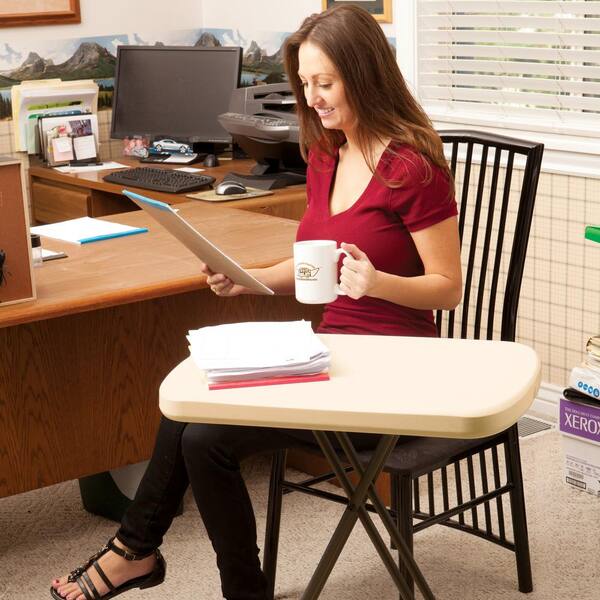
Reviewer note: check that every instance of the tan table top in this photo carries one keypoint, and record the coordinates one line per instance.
(380, 384)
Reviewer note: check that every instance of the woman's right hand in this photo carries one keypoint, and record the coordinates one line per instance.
(220, 284)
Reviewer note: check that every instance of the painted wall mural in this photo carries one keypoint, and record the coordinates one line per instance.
(95, 58)
(82, 58)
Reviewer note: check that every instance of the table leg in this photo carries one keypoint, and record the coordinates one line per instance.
(356, 510)
(404, 552)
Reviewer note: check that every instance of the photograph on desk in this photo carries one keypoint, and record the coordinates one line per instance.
(68, 138)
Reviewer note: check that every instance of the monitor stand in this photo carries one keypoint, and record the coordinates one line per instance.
(184, 159)
(268, 175)
(174, 159)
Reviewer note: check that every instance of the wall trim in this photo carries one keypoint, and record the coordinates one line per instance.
(547, 400)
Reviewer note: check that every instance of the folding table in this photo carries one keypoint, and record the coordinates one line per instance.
(379, 384)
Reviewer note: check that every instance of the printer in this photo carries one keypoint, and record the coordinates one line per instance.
(262, 122)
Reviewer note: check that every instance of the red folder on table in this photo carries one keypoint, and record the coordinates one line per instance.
(227, 385)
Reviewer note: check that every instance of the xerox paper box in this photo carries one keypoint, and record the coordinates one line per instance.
(580, 425)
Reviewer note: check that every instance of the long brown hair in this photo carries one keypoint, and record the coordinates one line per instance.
(375, 89)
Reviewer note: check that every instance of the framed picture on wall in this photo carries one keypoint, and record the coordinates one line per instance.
(380, 9)
(15, 13)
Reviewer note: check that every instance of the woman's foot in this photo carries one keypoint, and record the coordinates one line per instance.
(116, 568)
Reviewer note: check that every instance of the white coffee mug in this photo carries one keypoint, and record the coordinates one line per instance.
(315, 271)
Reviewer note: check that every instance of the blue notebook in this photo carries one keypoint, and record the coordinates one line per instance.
(85, 230)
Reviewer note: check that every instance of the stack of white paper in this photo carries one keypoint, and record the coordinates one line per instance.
(91, 167)
(246, 351)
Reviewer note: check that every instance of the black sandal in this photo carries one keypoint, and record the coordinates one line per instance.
(88, 589)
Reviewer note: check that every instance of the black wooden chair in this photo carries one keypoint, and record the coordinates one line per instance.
(426, 474)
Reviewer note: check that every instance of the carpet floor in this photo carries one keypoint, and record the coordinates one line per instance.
(46, 533)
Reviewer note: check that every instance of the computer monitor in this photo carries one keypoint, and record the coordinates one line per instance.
(174, 92)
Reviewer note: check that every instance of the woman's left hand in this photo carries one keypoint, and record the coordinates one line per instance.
(357, 276)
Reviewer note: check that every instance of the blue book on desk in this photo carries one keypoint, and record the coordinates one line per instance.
(85, 230)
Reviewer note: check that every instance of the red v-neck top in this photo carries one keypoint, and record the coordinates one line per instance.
(379, 223)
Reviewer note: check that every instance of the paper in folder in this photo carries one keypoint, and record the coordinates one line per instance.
(34, 99)
(259, 353)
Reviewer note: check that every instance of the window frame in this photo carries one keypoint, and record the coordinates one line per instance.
(565, 152)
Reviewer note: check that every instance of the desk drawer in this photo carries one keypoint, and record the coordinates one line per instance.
(106, 203)
(286, 208)
(56, 202)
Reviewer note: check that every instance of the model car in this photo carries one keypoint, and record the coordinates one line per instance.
(171, 146)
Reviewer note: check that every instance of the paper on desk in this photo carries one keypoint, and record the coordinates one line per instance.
(62, 149)
(86, 168)
(181, 159)
(189, 169)
(252, 346)
(52, 254)
(85, 230)
(84, 147)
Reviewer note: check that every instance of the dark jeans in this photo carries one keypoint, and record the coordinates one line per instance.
(208, 457)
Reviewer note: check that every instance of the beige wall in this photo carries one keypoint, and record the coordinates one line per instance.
(560, 297)
(115, 17)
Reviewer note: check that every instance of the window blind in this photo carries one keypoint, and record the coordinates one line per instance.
(511, 63)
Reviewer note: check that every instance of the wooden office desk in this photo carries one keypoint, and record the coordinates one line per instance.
(59, 196)
(379, 384)
(80, 367)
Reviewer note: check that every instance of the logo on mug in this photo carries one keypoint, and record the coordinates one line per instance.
(306, 272)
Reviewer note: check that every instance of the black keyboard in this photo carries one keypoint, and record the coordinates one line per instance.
(161, 180)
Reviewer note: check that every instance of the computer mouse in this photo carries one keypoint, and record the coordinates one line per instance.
(211, 161)
(230, 187)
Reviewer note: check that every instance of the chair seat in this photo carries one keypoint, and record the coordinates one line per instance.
(419, 455)
(423, 454)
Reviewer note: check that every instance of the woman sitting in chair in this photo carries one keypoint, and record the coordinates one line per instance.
(378, 184)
